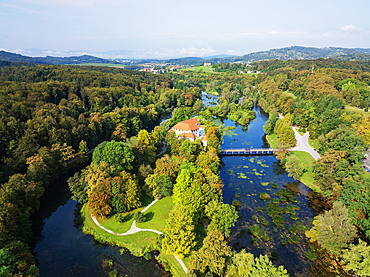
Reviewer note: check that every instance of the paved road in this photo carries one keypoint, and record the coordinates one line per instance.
(302, 144)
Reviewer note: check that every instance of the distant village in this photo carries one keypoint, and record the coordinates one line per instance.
(161, 68)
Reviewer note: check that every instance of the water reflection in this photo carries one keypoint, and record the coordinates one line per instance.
(62, 249)
(278, 223)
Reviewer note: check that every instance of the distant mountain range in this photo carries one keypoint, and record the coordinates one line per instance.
(12, 57)
(287, 53)
(308, 53)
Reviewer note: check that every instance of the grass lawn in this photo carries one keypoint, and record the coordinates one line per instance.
(290, 94)
(157, 214)
(138, 243)
(205, 69)
(357, 110)
(273, 140)
(176, 268)
(307, 177)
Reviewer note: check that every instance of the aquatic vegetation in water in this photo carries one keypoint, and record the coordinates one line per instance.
(264, 183)
(311, 255)
(258, 174)
(237, 195)
(236, 204)
(294, 239)
(274, 255)
(275, 201)
(264, 165)
(264, 196)
(282, 199)
(248, 195)
(251, 160)
(256, 231)
(246, 166)
(264, 221)
(294, 217)
(293, 229)
(231, 172)
(260, 209)
(290, 209)
(274, 186)
(283, 242)
(254, 241)
(278, 221)
(254, 169)
(242, 175)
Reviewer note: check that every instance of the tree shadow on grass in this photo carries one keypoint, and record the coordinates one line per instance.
(149, 216)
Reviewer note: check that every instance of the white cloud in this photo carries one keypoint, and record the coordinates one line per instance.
(350, 28)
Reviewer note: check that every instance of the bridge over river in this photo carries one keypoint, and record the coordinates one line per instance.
(245, 151)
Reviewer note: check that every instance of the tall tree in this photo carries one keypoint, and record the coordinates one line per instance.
(333, 229)
(117, 154)
(212, 256)
(179, 236)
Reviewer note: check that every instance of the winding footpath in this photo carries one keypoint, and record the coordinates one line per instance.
(134, 229)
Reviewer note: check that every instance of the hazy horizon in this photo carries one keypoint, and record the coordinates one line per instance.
(167, 29)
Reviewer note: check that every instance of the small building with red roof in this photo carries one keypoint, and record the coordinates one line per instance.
(190, 129)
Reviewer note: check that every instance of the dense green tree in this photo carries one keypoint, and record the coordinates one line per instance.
(222, 216)
(183, 180)
(333, 229)
(239, 264)
(117, 154)
(263, 267)
(212, 256)
(294, 167)
(78, 187)
(357, 258)
(179, 236)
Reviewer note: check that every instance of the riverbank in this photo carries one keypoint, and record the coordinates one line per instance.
(140, 242)
(305, 159)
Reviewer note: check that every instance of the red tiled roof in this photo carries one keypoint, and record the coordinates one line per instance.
(187, 135)
(190, 124)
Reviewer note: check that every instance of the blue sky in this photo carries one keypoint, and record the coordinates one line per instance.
(163, 28)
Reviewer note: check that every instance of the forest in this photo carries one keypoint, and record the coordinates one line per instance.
(50, 116)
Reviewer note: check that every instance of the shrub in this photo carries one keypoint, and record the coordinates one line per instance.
(139, 217)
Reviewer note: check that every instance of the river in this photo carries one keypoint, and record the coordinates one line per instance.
(63, 250)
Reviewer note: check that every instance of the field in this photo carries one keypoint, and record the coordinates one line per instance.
(205, 69)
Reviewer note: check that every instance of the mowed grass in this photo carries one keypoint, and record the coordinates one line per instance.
(158, 214)
(357, 110)
(176, 268)
(290, 94)
(138, 243)
(197, 69)
(273, 140)
(307, 177)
